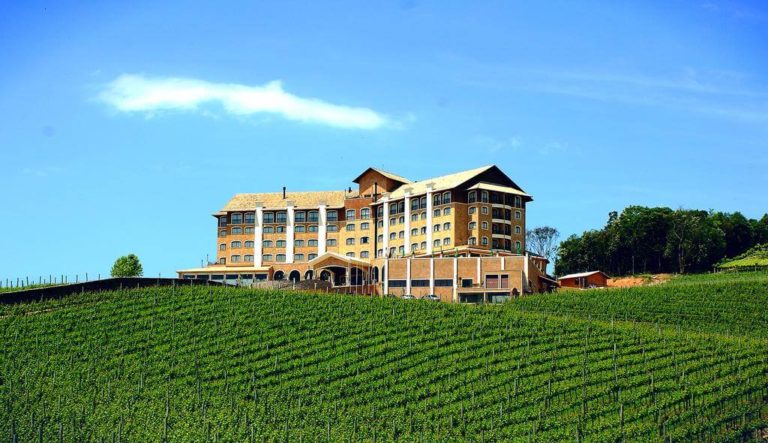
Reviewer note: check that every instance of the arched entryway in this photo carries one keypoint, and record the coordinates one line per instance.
(374, 274)
(325, 275)
(309, 275)
(294, 276)
(279, 275)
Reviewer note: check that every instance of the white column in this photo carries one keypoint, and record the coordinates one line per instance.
(525, 272)
(408, 276)
(431, 275)
(322, 230)
(385, 233)
(478, 268)
(429, 218)
(258, 238)
(289, 234)
(407, 240)
(503, 262)
(385, 276)
(455, 280)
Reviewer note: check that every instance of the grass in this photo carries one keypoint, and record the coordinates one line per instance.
(228, 364)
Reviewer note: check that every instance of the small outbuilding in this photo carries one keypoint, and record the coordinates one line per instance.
(583, 280)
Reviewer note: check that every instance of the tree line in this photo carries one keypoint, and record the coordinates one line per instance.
(656, 240)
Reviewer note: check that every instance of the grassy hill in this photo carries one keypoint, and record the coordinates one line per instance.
(226, 364)
(757, 256)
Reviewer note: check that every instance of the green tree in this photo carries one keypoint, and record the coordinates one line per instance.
(542, 241)
(739, 235)
(127, 266)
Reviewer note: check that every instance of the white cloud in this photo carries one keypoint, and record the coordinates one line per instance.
(136, 93)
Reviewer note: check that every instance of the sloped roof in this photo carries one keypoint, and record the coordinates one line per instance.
(337, 256)
(389, 175)
(438, 183)
(275, 200)
(582, 274)
(498, 188)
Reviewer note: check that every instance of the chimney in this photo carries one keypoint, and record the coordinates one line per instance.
(283, 192)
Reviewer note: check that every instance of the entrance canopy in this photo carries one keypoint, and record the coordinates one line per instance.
(330, 259)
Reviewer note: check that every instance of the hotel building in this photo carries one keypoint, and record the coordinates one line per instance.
(460, 236)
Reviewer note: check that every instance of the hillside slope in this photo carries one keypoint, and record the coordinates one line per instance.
(205, 364)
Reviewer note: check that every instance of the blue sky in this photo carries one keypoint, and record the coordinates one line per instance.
(124, 126)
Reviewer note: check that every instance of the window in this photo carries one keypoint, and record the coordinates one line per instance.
(313, 228)
(223, 221)
(401, 234)
(365, 213)
(223, 247)
(364, 254)
(279, 228)
(312, 242)
(269, 217)
(436, 243)
(237, 219)
(392, 252)
(248, 258)
(312, 216)
(298, 257)
(414, 246)
(281, 217)
(436, 213)
(393, 221)
(365, 226)
(396, 283)
(423, 245)
(280, 258)
(414, 216)
(392, 235)
(447, 211)
(351, 254)
(436, 228)
(485, 241)
(422, 202)
(446, 226)
(350, 241)
(392, 208)
(423, 230)
(414, 231)
(485, 225)
(332, 216)
(234, 259)
(472, 210)
(447, 241)
(380, 211)
(484, 196)
(401, 220)
(436, 199)
(299, 228)
(472, 241)
(364, 240)
(517, 246)
(300, 216)
(380, 253)
(484, 210)
(471, 197)
(414, 204)
(267, 243)
(268, 229)
(329, 228)
(518, 202)
(249, 244)
(446, 197)
(280, 243)
(350, 214)
(472, 225)
(311, 256)
(380, 238)
(266, 257)
(250, 217)
(401, 207)
(401, 250)
(299, 243)
(237, 231)
(248, 230)
(350, 227)
(423, 215)
(223, 233)
(517, 229)
(222, 261)
(331, 242)
(380, 223)
(517, 215)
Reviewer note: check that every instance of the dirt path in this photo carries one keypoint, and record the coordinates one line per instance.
(645, 280)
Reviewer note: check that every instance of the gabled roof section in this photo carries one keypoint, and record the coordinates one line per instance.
(583, 274)
(275, 200)
(342, 258)
(443, 182)
(389, 175)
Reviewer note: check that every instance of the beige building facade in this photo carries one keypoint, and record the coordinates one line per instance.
(391, 235)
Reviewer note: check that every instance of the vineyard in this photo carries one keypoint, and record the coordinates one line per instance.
(228, 364)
